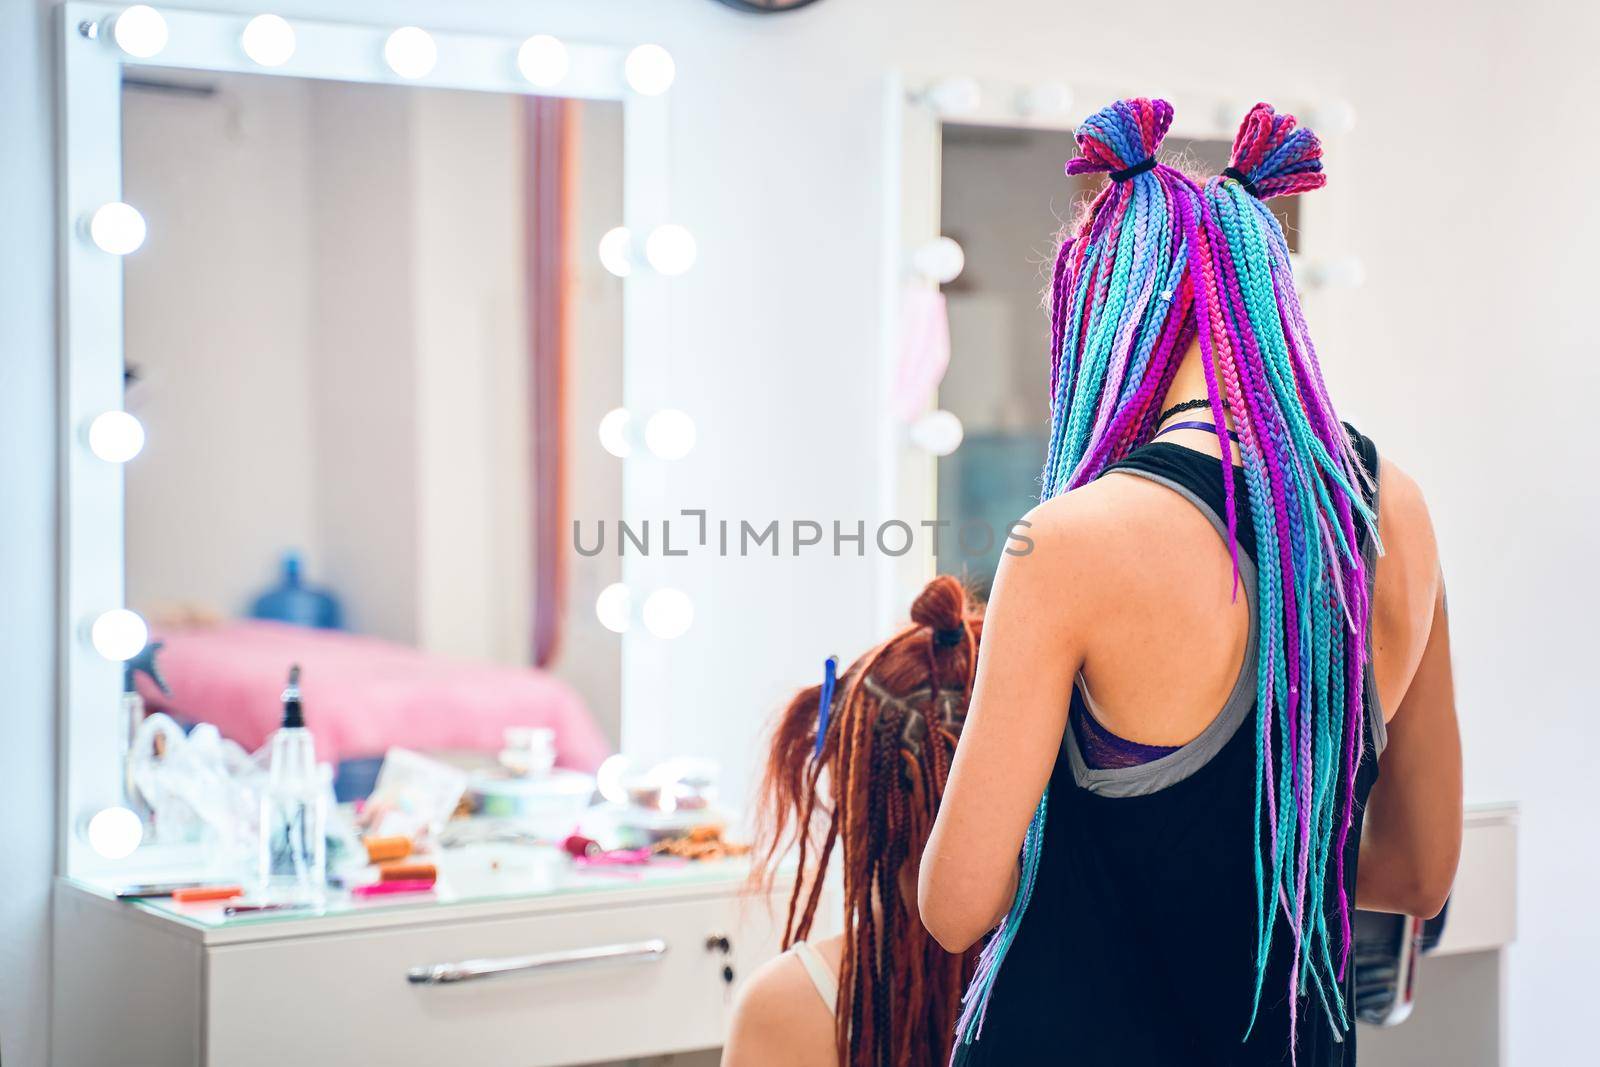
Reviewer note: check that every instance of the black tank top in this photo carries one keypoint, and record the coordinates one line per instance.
(1138, 946)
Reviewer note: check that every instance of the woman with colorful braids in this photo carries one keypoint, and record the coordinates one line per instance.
(857, 770)
(1185, 688)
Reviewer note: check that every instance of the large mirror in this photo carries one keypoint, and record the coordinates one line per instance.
(993, 180)
(370, 339)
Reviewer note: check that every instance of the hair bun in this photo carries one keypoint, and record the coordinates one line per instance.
(941, 606)
(1120, 135)
(1276, 155)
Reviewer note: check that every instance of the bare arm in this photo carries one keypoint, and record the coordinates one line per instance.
(1030, 653)
(1412, 836)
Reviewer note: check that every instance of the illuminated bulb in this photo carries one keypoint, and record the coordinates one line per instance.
(940, 260)
(543, 60)
(954, 96)
(1333, 117)
(649, 70)
(1347, 272)
(269, 40)
(938, 432)
(410, 52)
(670, 249)
(1042, 101)
(114, 832)
(117, 228)
(119, 634)
(668, 613)
(140, 31)
(614, 607)
(115, 436)
(611, 776)
(616, 251)
(614, 432)
(669, 434)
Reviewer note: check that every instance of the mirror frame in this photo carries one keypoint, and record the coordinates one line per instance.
(916, 107)
(91, 557)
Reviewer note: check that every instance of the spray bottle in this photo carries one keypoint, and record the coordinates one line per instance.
(294, 809)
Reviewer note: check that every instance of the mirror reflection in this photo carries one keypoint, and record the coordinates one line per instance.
(370, 340)
(993, 180)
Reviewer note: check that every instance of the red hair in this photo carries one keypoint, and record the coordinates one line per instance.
(891, 734)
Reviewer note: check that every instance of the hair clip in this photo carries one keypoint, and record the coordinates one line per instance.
(830, 681)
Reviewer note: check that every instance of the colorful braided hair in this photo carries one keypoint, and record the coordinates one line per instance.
(885, 752)
(1157, 260)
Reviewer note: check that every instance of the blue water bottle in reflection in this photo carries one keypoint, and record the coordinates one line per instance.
(292, 601)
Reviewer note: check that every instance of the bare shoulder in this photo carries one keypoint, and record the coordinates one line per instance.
(779, 1020)
(1405, 583)
(1096, 516)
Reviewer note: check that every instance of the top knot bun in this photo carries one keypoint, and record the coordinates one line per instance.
(1121, 135)
(1276, 155)
(941, 606)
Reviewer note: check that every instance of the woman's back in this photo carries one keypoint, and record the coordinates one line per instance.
(1140, 946)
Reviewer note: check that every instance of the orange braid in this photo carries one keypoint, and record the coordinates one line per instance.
(886, 755)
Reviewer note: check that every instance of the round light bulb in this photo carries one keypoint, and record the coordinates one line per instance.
(268, 39)
(616, 251)
(649, 70)
(410, 52)
(543, 60)
(938, 432)
(1346, 272)
(614, 432)
(116, 436)
(1041, 101)
(119, 634)
(670, 249)
(954, 96)
(614, 607)
(117, 228)
(670, 434)
(668, 613)
(940, 260)
(140, 31)
(610, 778)
(114, 832)
(1333, 117)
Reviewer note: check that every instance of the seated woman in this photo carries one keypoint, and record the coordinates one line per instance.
(882, 992)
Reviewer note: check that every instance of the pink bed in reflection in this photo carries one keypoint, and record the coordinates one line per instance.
(362, 695)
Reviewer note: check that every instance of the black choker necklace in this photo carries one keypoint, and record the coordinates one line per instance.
(1187, 405)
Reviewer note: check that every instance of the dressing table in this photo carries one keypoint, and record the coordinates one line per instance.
(517, 960)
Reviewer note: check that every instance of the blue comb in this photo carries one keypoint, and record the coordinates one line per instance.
(830, 680)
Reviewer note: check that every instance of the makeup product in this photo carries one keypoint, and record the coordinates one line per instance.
(201, 894)
(384, 889)
(408, 872)
(383, 849)
(255, 909)
(153, 890)
(294, 809)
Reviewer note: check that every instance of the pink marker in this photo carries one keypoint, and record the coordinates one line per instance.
(383, 889)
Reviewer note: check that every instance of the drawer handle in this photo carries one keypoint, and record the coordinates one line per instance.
(471, 970)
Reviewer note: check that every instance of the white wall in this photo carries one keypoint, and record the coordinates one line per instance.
(1468, 355)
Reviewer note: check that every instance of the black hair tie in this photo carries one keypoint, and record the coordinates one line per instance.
(949, 638)
(1238, 175)
(1134, 171)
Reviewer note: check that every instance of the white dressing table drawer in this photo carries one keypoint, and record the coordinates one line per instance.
(347, 998)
